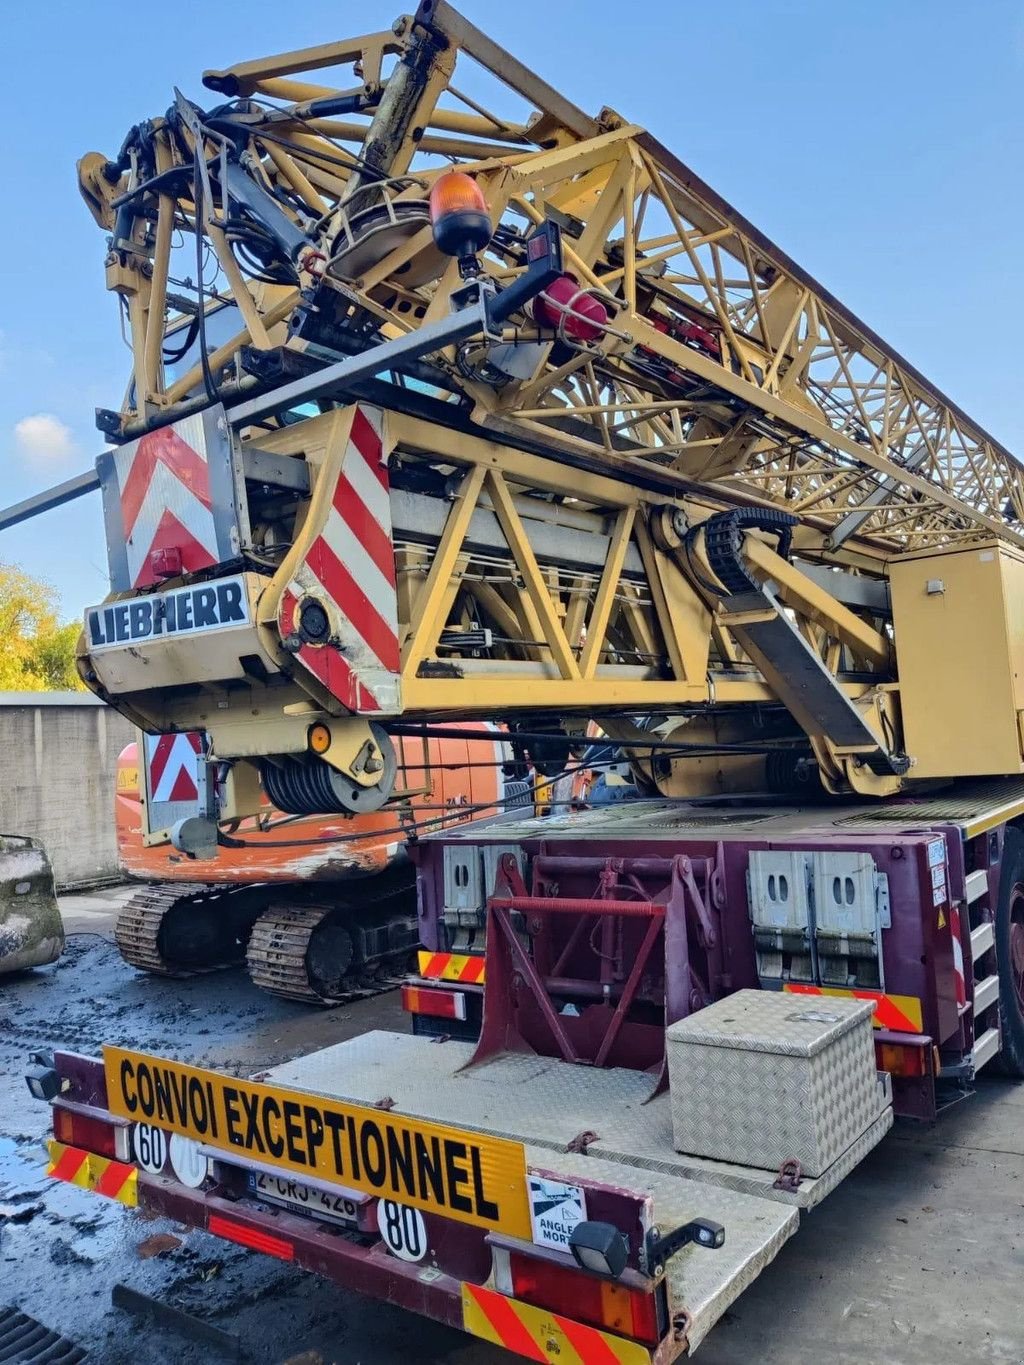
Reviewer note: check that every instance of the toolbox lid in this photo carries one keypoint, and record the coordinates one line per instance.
(771, 1021)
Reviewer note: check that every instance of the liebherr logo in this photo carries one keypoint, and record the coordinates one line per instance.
(185, 611)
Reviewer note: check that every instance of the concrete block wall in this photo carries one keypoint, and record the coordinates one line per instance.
(58, 757)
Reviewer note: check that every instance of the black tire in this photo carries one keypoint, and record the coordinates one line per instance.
(1009, 935)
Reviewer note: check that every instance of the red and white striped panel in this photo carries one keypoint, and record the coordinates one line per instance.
(351, 565)
(164, 486)
(958, 957)
(173, 763)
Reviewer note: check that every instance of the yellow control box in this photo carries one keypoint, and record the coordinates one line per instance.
(958, 617)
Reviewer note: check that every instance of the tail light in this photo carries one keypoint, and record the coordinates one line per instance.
(91, 1134)
(631, 1312)
(901, 1059)
(252, 1238)
(166, 563)
(427, 1000)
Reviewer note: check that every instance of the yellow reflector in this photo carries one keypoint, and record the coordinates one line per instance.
(319, 738)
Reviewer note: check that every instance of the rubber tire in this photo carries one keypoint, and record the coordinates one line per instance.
(1011, 1014)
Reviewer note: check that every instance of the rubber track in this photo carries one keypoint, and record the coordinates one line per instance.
(276, 958)
(137, 929)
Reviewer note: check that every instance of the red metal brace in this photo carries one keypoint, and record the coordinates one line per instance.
(509, 967)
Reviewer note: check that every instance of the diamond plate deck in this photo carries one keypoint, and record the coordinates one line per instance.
(545, 1104)
(540, 1101)
(974, 806)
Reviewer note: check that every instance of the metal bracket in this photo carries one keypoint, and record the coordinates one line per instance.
(701, 1232)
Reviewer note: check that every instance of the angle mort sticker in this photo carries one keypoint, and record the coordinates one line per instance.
(183, 611)
(555, 1209)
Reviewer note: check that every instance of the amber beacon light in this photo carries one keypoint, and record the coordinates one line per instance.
(461, 222)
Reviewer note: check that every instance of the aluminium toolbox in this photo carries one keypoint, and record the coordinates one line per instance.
(764, 1077)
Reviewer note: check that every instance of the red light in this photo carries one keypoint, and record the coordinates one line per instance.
(570, 309)
(601, 1303)
(166, 563)
(901, 1059)
(251, 1237)
(441, 1004)
(91, 1135)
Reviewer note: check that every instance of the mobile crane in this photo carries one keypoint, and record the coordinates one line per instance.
(496, 409)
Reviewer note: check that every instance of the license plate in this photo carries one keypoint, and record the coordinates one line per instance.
(278, 1189)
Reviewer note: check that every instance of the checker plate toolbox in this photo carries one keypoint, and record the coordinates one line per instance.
(762, 1078)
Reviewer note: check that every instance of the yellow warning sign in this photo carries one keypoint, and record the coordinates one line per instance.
(127, 779)
(470, 1177)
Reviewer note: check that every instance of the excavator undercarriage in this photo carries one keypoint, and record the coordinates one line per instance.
(321, 945)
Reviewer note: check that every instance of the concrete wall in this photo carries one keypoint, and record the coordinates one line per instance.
(58, 756)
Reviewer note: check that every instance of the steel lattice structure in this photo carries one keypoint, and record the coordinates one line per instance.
(614, 456)
(723, 365)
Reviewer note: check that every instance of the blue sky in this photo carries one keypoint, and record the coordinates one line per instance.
(879, 143)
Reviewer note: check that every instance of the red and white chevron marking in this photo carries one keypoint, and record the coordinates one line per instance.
(351, 564)
(164, 483)
(173, 761)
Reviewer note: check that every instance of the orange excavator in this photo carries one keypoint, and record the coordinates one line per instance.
(321, 908)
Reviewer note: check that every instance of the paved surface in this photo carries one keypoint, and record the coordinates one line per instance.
(918, 1257)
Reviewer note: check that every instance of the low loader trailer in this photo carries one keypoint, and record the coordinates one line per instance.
(647, 1039)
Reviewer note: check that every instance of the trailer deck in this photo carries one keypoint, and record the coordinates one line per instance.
(555, 1108)
(971, 807)
(546, 1102)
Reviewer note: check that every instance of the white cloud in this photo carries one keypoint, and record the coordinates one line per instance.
(44, 437)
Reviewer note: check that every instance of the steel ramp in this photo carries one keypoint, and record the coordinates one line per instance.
(700, 1284)
(547, 1104)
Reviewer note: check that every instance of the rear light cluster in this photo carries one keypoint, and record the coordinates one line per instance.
(91, 1134)
(902, 1059)
(601, 1303)
(428, 1000)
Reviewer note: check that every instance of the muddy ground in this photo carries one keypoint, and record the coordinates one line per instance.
(918, 1257)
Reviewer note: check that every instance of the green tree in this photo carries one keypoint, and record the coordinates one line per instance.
(37, 653)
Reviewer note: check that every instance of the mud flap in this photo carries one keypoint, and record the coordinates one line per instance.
(31, 929)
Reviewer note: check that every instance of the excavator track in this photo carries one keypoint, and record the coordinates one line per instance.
(178, 929)
(317, 954)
